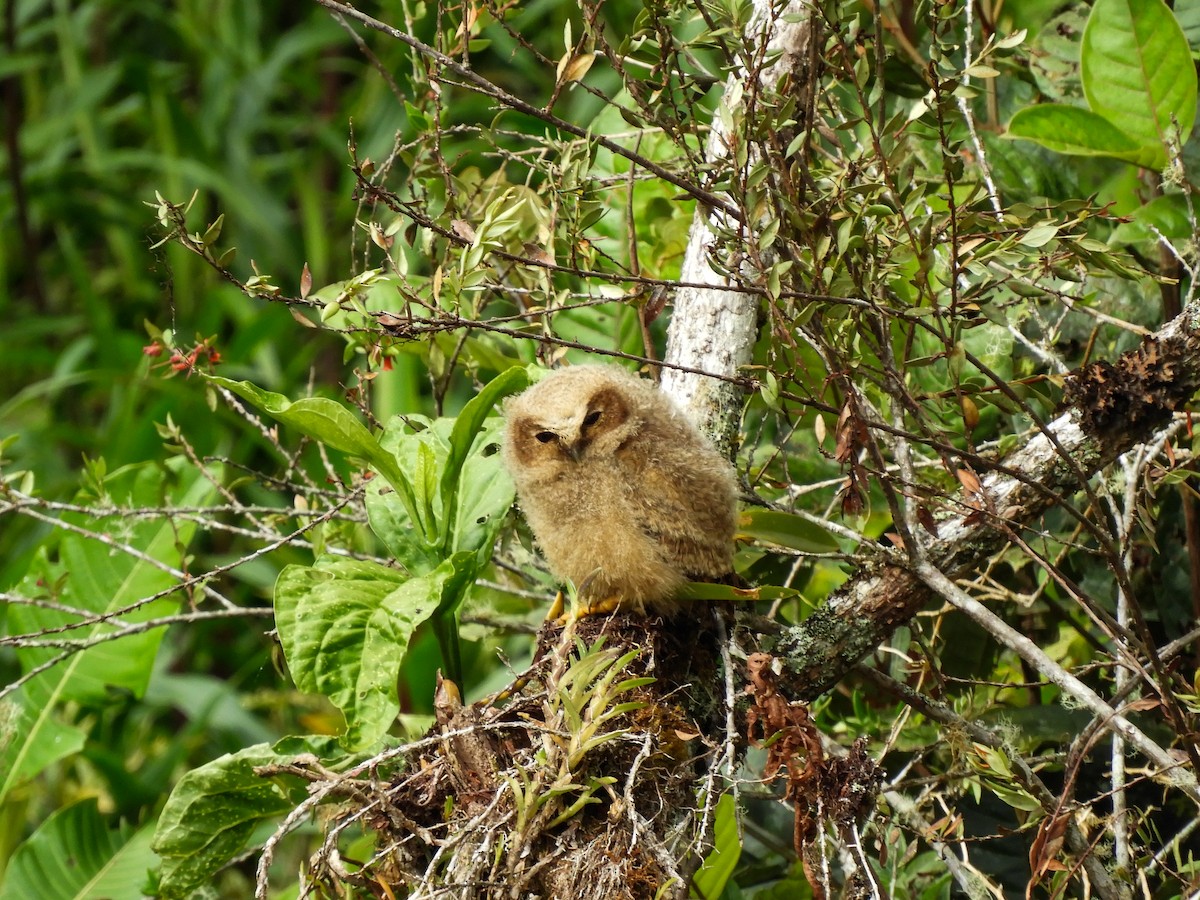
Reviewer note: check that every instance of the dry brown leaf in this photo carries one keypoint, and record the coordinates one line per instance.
(305, 282)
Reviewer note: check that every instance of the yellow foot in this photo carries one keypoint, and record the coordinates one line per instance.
(556, 608)
(596, 608)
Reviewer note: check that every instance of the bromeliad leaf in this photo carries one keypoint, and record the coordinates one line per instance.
(703, 591)
(786, 530)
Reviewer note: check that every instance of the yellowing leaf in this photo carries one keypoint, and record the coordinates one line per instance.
(576, 67)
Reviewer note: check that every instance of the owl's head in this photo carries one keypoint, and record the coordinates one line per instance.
(570, 417)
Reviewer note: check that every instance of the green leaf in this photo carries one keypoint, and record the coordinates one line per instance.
(345, 625)
(697, 591)
(785, 529)
(1038, 235)
(483, 496)
(35, 737)
(391, 523)
(1168, 214)
(419, 448)
(211, 814)
(472, 486)
(1138, 73)
(330, 423)
(465, 507)
(1074, 131)
(445, 620)
(1014, 796)
(74, 854)
(90, 575)
(470, 420)
(718, 866)
(466, 427)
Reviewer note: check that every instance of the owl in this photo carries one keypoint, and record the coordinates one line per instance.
(625, 497)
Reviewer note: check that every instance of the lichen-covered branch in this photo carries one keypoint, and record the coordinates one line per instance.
(1110, 416)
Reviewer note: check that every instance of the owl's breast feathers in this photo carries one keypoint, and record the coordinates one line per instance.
(641, 522)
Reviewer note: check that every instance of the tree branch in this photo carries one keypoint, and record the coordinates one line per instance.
(1110, 416)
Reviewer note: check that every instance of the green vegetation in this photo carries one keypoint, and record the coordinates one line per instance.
(268, 276)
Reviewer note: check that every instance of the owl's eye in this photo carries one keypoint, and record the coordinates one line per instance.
(592, 418)
(545, 437)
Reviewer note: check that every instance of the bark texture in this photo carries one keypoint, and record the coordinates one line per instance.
(713, 329)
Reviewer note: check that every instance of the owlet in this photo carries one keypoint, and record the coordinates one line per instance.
(625, 497)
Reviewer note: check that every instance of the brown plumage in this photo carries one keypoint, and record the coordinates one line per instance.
(625, 497)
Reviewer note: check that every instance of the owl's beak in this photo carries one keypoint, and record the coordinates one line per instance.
(576, 451)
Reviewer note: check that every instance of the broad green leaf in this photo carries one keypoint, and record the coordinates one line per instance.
(34, 738)
(330, 423)
(467, 426)
(86, 574)
(785, 529)
(391, 523)
(345, 625)
(481, 496)
(1138, 73)
(74, 854)
(1071, 130)
(1167, 214)
(484, 495)
(214, 809)
(415, 544)
(717, 868)
(465, 506)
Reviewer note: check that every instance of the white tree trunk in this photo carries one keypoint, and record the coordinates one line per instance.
(714, 329)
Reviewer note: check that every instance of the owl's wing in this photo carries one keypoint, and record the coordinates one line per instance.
(689, 515)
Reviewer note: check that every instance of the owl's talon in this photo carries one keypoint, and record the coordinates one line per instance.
(602, 607)
(556, 609)
(583, 610)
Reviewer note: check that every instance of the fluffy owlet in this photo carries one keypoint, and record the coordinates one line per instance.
(625, 497)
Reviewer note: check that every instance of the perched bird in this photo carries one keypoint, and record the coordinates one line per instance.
(627, 500)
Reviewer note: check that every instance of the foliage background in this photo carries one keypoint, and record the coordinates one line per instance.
(252, 106)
